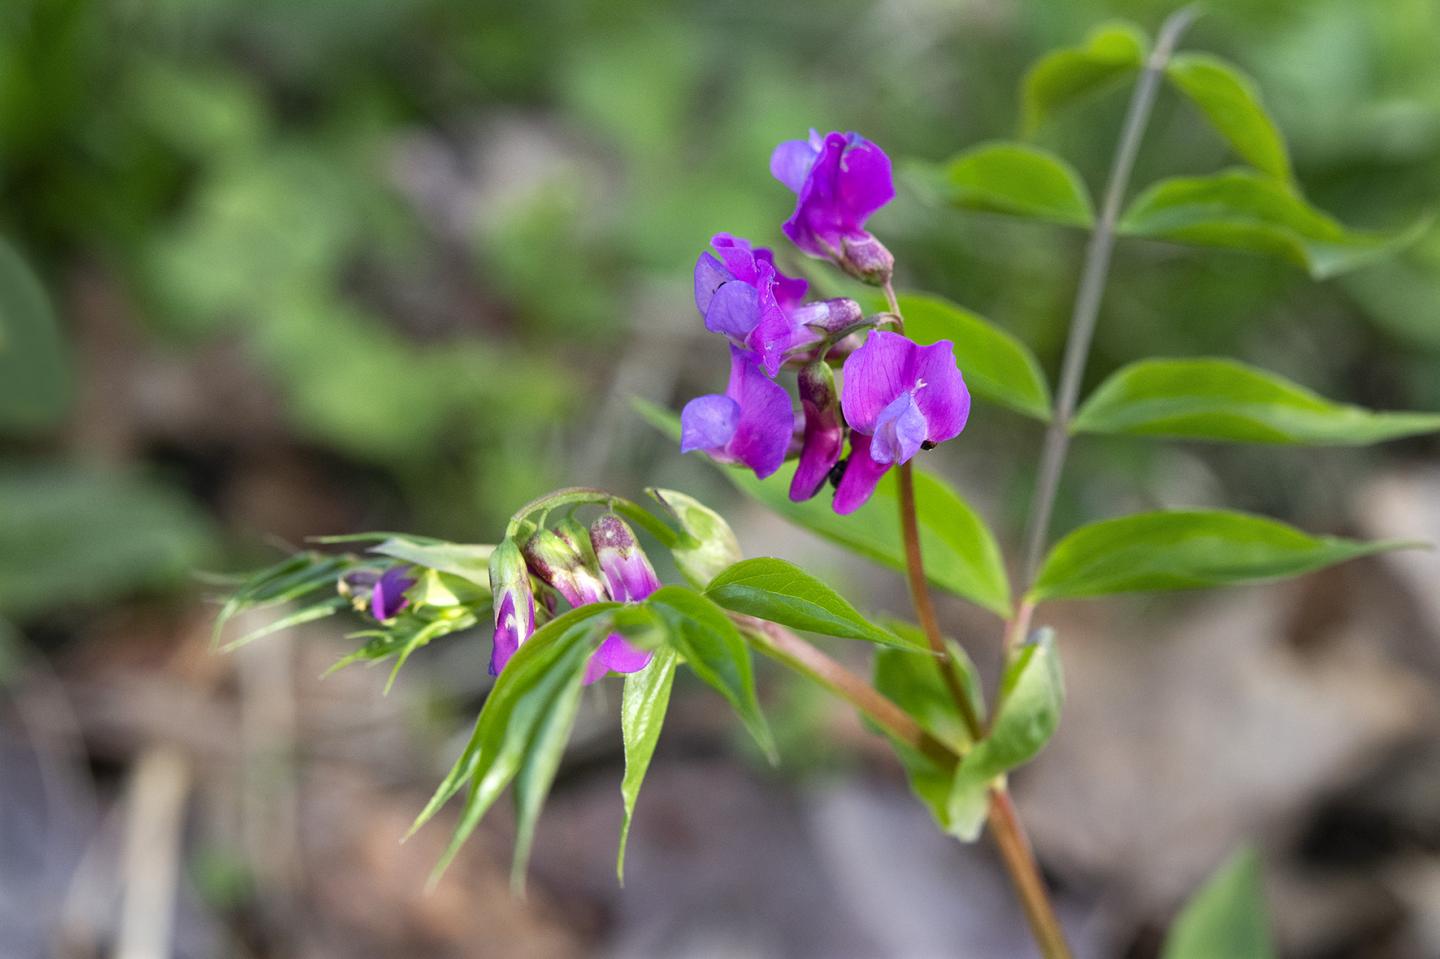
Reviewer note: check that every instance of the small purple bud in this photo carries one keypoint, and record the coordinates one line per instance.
(514, 603)
(388, 597)
(866, 259)
(562, 566)
(828, 316)
(824, 430)
(627, 570)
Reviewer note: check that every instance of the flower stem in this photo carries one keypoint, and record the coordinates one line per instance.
(1092, 287)
(1004, 821)
(782, 645)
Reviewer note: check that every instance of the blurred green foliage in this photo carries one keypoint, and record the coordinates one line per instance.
(433, 227)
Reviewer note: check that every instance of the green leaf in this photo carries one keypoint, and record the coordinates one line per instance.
(642, 713)
(1032, 693)
(287, 581)
(530, 685)
(997, 366)
(537, 771)
(1244, 210)
(469, 562)
(1230, 100)
(305, 614)
(1186, 550)
(1019, 180)
(71, 536)
(716, 652)
(961, 555)
(1216, 399)
(35, 378)
(709, 544)
(1111, 52)
(784, 593)
(1226, 917)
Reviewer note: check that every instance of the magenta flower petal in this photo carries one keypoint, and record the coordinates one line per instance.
(940, 392)
(627, 570)
(388, 597)
(514, 603)
(709, 274)
(899, 431)
(862, 474)
(734, 310)
(752, 423)
(743, 296)
(875, 375)
(708, 423)
(845, 179)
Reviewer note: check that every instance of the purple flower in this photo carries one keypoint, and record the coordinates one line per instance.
(388, 597)
(839, 180)
(824, 430)
(900, 397)
(630, 578)
(560, 564)
(514, 603)
(743, 296)
(751, 424)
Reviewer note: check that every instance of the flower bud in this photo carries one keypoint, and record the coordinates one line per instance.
(866, 259)
(828, 316)
(824, 430)
(627, 571)
(514, 603)
(557, 563)
(388, 597)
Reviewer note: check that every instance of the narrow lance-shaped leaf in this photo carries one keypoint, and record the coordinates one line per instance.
(1245, 210)
(715, 651)
(784, 593)
(1230, 100)
(1111, 52)
(642, 714)
(1227, 917)
(1186, 550)
(1215, 399)
(961, 554)
(997, 366)
(1027, 713)
(1016, 179)
(538, 768)
(469, 562)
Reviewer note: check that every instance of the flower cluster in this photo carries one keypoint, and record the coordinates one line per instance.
(896, 396)
(580, 566)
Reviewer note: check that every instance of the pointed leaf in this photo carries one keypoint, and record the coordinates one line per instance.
(961, 554)
(537, 771)
(997, 366)
(1186, 550)
(1111, 52)
(715, 651)
(1226, 917)
(784, 593)
(1019, 180)
(1230, 100)
(1214, 399)
(469, 562)
(710, 544)
(1244, 210)
(642, 713)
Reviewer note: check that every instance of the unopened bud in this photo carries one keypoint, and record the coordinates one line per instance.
(866, 259)
(557, 563)
(627, 570)
(828, 316)
(514, 603)
(824, 430)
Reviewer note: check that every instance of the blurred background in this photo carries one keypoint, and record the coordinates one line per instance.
(277, 268)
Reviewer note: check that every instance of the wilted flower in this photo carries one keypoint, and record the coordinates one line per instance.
(514, 603)
(751, 423)
(839, 180)
(897, 397)
(388, 597)
(744, 296)
(824, 430)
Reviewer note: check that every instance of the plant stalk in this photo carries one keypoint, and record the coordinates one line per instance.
(1004, 821)
(1092, 288)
